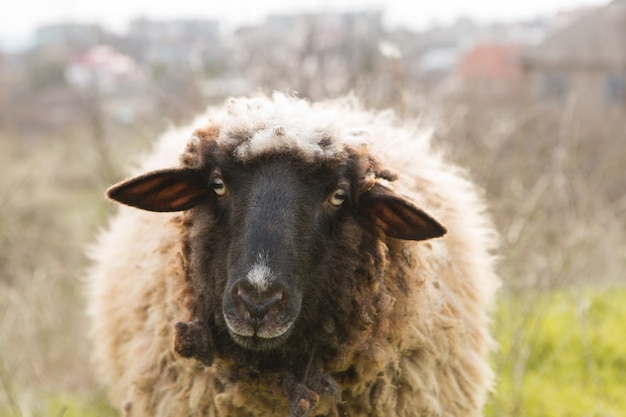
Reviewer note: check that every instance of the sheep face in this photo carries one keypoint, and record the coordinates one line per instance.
(264, 232)
(276, 218)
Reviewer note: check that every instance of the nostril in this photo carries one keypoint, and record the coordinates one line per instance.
(277, 297)
(244, 297)
(258, 304)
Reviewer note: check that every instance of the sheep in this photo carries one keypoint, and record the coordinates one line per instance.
(295, 259)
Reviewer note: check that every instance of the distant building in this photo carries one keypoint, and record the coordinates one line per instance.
(174, 31)
(104, 69)
(439, 60)
(74, 36)
(585, 59)
(470, 54)
(332, 25)
(491, 68)
(181, 43)
(110, 79)
(316, 54)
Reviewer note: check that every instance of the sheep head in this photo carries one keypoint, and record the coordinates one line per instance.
(265, 228)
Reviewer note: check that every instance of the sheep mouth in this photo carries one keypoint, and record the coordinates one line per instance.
(258, 343)
(259, 338)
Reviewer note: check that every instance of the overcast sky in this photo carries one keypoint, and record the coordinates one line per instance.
(22, 16)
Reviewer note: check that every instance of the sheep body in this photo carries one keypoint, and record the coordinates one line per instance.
(419, 340)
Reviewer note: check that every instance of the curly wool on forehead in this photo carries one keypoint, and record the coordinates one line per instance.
(260, 125)
(250, 127)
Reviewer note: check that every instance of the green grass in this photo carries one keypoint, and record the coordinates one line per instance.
(72, 407)
(59, 405)
(562, 354)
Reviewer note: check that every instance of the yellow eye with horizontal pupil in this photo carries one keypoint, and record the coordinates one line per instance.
(338, 197)
(218, 186)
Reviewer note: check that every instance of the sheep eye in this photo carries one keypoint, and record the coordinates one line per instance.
(338, 197)
(218, 186)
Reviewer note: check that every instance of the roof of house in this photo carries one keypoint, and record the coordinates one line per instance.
(597, 39)
(490, 61)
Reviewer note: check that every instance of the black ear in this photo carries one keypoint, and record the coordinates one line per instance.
(164, 190)
(397, 216)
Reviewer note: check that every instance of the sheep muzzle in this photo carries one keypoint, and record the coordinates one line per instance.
(259, 320)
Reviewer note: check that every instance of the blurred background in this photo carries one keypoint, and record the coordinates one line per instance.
(529, 97)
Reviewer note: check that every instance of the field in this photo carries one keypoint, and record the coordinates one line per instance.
(554, 182)
(561, 354)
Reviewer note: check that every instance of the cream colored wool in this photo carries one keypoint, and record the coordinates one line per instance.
(424, 352)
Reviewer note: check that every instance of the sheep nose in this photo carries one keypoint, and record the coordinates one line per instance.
(258, 304)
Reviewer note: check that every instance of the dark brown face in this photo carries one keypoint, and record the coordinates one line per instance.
(270, 228)
(278, 217)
